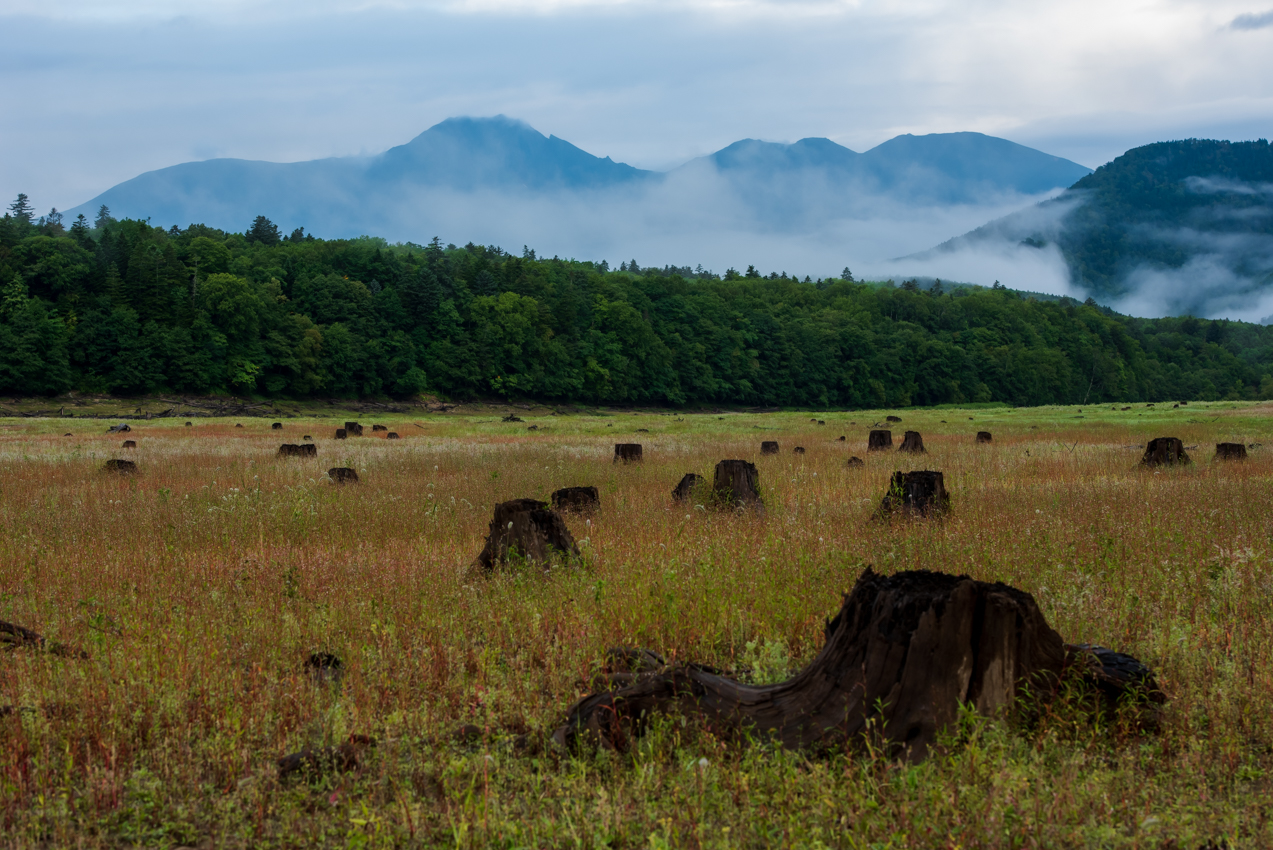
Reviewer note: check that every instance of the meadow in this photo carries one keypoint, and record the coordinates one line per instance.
(200, 586)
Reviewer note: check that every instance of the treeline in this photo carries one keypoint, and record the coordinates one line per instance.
(122, 307)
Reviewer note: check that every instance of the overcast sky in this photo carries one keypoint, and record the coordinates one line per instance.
(93, 93)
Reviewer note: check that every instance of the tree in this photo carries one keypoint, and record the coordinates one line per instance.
(751, 272)
(104, 218)
(298, 235)
(264, 231)
(21, 209)
(79, 231)
(847, 275)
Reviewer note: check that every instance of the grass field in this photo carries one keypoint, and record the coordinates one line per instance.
(201, 585)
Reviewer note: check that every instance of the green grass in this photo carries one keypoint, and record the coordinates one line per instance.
(200, 586)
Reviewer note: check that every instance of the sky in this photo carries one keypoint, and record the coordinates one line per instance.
(94, 93)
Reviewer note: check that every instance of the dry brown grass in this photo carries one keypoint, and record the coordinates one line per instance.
(200, 586)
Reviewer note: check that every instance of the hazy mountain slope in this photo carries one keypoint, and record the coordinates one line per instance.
(1186, 224)
(506, 181)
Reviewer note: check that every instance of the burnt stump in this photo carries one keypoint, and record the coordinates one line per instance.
(526, 529)
(342, 475)
(583, 500)
(1165, 451)
(294, 450)
(277, 426)
(854, 462)
(920, 493)
(1230, 451)
(769, 447)
(353, 429)
(120, 467)
(129, 444)
(341, 433)
(392, 435)
(736, 484)
(378, 428)
(684, 491)
(879, 440)
(984, 437)
(627, 452)
(912, 443)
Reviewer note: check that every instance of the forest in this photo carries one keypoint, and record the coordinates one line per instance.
(125, 308)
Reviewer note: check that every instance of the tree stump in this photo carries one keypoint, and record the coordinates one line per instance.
(769, 447)
(323, 668)
(1230, 451)
(118, 429)
(377, 428)
(341, 433)
(891, 418)
(189, 424)
(1165, 451)
(528, 529)
(353, 429)
(627, 452)
(120, 467)
(584, 500)
(684, 491)
(854, 462)
(736, 484)
(307, 437)
(984, 437)
(342, 475)
(879, 441)
(920, 493)
(912, 443)
(315, 762)
(392, 435)
(798, 450)
(238, 425)
(841, 438)
(277, 426)
(293, 450)
(901, 657)
(129, 444)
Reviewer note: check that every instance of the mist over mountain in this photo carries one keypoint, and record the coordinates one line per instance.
(1172, 228)
(812, 206)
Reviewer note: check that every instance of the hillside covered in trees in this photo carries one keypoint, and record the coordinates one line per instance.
(126, 308)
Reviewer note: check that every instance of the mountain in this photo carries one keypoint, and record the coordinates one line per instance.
(935, 169)
(481, 168)
(1188, 224)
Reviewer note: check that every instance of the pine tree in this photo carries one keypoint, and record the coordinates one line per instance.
(14, 297)
(847, 275)
(264, 231)
(104, 218)
(21, 209)
(79, 231)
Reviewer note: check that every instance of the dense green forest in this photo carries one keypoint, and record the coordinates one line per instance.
(122, 307)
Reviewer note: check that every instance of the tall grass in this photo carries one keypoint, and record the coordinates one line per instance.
(200, 586)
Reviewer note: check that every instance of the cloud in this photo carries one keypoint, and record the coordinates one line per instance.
(1252, 21)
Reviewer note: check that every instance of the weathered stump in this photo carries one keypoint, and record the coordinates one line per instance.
(341, 433)
(277, 426)
(238, 425)
(684, 491)
(912, 443)
(891, 418)
(1230, 451)
(129, 444)
(528, 529)
(342, 475)
(582, 500)
(118, 429)
(915, 494)
(902, 656)
(1165, 451)
(854, 462)
(392, 435)
(879, 441)
(377, 428)
(736, 484)
(189, 424)
(984, 437)
(798, 450)
(627, 452)
(323, 668)
(769, 447)
(511, 418)
(353, 429)
(120, 467)
(841, 438)
(307, 437)
(302, 450)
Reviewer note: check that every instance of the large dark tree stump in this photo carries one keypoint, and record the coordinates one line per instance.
(392, 435)
(294, 450)
(879, 440)
(627, 452)
(769, 447)
(525, 528)
(1230, 451)
(377, 428)
(584, 500)
(342, 475)
(912, 443)
(276, 426)
(1165, 451)
(736, 484)
(120, 467)
(915, 494)
(901, 656)
(684, 491)
(984, 437)
(341, 433)
(353, 429)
